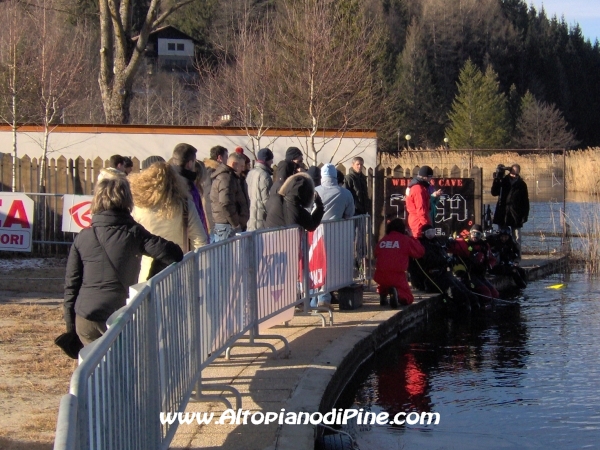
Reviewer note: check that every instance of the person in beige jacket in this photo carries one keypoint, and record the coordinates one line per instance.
(161, 197)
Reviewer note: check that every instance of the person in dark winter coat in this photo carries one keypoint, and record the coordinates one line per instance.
(356, 183)
(293, 163)
(512, 208)
(431, 272)
(229, 202)
(289, 205)
(393, 252)
(218, 157)
(184, 162)
(105, 259)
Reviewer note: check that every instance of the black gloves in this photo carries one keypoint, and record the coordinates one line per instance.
(318, 201)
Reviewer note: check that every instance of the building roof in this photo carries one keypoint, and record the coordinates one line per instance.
(167, 32)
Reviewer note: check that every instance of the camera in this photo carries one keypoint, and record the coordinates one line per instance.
(500, 169)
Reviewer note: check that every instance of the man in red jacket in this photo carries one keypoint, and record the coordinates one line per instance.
(418, 201)
(393, 252)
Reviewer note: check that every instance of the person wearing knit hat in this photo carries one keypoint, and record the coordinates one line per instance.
(294, 154)
(260, 181)
(265, 155)
(425, 171)
(419, 201)
(151, 160)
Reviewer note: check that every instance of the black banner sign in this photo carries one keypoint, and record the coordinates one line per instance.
(455, 207)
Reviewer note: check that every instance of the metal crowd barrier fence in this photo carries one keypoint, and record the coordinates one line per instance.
(48, 237)
(151, 358)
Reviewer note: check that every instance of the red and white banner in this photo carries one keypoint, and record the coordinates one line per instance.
(317, 258)
(76, 212)
(16, 222)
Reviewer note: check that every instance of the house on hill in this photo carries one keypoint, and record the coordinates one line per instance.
(169, 50)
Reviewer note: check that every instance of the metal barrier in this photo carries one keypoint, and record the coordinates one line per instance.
(150, 360)
(48, 237)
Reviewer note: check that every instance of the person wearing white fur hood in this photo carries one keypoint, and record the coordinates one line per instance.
(295, 196)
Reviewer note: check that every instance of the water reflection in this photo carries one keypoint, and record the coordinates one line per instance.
(523, 376)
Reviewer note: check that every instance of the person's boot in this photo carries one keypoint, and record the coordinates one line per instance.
(393, 298)
(383, 299)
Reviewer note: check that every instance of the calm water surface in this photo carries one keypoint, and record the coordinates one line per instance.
(526, 375)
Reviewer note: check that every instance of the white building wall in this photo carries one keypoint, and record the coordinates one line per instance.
(163, 47)
(90, 142)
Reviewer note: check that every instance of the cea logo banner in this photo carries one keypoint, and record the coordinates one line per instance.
(76, 212)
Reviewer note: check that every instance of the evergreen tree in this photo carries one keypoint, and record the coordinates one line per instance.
(479, 116)
(542, 125)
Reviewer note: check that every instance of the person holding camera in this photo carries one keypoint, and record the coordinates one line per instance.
(512, 209)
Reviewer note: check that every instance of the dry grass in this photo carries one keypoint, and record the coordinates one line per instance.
(582, 167)
(34, 374)
(583, 171)
(588, 227)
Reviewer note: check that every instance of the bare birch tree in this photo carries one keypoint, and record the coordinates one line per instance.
(57, 73)
(241, 87)
(15, 62)
(120, 57)
(326, 56)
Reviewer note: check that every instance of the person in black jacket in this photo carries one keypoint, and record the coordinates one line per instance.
(288, 206)
(105, 260)
(356, 183)
(512, 209)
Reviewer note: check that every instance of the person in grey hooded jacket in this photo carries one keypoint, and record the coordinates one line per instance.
(338, 204)
(260, 180)
(337, 201)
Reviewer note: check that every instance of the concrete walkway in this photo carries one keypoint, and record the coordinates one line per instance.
(296, 384)
(304, 381)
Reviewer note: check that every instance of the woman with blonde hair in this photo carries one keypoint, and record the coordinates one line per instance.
(164, 207)
(104, 260)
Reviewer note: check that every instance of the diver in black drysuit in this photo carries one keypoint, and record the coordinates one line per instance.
(507, 254)
(431, 273)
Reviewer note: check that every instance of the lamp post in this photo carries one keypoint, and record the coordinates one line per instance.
(408, 138)
(446, 140)
(398, 140)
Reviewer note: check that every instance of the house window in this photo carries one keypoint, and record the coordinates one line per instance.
(171, 46)
(180, 47)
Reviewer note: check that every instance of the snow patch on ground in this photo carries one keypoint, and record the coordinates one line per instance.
(29, 263)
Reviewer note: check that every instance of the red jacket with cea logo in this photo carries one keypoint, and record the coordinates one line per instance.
(393, 252)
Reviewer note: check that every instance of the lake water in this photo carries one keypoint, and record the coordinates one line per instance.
(541, 233)
(525, 376)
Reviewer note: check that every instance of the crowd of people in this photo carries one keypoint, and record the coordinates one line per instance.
(143, 222)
